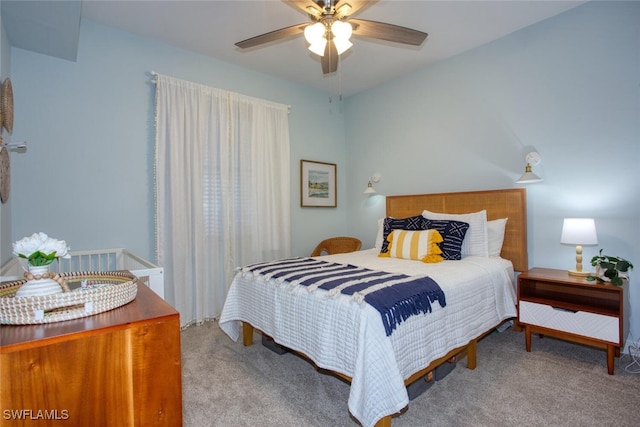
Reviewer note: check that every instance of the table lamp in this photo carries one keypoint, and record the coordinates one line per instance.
(579, 232)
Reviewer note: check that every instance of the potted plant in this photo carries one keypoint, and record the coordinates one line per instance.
(610, 269)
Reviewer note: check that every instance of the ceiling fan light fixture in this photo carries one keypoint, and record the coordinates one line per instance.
(314, 33)
(319, 46)
(332, 21)
(343, 10)
(313, 11)
(342, 30)
(342, 45)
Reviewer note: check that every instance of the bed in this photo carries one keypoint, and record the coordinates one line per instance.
(349, 339)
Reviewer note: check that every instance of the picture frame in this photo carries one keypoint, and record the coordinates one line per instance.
(318, 183)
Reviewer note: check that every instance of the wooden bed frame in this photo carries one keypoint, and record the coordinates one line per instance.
(509, 203)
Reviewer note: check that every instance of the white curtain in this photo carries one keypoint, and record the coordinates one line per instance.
(222, 190)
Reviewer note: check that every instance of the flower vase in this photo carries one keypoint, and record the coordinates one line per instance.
(39, 282)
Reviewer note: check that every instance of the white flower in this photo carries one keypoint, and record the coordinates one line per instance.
(40, 249)
(53, 245)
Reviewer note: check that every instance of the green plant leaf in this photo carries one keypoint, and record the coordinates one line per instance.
(39, 258)
(623, 266)
(607, 265)
(607, 262)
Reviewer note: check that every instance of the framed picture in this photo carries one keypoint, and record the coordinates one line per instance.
(318, 184)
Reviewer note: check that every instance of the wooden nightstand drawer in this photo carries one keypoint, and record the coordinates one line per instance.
(592, 325)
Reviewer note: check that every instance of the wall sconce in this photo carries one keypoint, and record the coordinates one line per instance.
(373, 178)
(579, 231)
(529, 177)
(14, 146)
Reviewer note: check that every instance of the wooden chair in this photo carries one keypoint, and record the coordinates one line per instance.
(337, 245)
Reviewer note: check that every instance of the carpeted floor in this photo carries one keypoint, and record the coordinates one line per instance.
(557, 384)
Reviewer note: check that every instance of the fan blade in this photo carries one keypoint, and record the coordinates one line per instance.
(345, 8)
(388, 32)
(282, 33)
(330, 59)
(308, 7)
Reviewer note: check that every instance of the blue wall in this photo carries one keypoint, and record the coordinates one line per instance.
(87, 176)
(5, 208)
(568, 87)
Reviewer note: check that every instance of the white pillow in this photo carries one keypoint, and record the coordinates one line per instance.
(476, 242)
(495, 233)
(378, 244)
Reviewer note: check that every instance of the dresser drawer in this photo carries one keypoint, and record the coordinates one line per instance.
(592, 325)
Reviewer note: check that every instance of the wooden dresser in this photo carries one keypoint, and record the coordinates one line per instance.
(118, 368)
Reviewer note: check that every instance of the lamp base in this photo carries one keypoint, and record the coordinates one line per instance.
(579, 273)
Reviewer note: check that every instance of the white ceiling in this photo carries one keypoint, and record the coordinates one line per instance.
(212, 27)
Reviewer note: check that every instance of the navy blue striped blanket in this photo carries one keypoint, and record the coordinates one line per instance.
(396, 296)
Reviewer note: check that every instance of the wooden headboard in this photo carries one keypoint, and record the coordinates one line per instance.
(510, 203)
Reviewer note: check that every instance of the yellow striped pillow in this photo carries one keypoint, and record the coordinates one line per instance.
(417, 245)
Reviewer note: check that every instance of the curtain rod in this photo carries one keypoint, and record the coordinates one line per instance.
(155, 74)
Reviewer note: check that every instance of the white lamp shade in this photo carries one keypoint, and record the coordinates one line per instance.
(529, 178)
(319, 46)
(313, 33)
(342, 45)
(579, 231)
(342, 30)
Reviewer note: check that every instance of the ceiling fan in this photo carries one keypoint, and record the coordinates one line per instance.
(331, 27)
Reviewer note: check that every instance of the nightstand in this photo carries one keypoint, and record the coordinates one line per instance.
(551, 302)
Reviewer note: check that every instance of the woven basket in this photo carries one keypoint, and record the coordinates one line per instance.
(6, 105)
(91, 293)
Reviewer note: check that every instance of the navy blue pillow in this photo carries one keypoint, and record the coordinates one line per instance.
(452, 233)
(411, 223)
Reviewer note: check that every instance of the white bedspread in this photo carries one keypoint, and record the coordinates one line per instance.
(349, 338)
